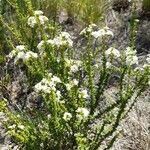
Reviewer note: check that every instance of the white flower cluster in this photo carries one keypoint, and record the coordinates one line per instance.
(82, 113)
(71, 84)
(98, 33)
(83, 93)
(20, 53)
(74, 65)
(48, 85)
(64, 39)
(18, 49)
(102, 32)
(112, 52)
(131, 57)
(37, 18)
(67, 116)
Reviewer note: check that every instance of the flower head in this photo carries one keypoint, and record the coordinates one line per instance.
(74, 68)
(64, 39)
(43, 19)
(20, 55)
(83, 94)
(82, 112)
(131, 60)
(75, 82)
(29, 55)
(37, 18)
(131, 57)
(32, 21)
(102, 32)
(20, 47)
(67, 116)
(112, 51)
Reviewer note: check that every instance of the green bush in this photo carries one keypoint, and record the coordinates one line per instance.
(73, 83)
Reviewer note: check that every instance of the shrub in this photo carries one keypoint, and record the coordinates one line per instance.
(70, 83)
(75, 110)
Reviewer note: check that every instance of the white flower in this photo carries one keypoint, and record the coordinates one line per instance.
(51, 42)
(43, 86)
(32, 21)
(43, 19)
(40, 46)
(75, 82)
(67, 116)
(21, 127)
(57, 41)
(74, 68)
(20, 55)
(96, 34)
(66, 35)
(29, 55)
(48, 85)
(55, 79)
(64, 39)
(131, 60)
(131, 57)
(108, 64)
(12, 54)
(82, 112)
(68, 86)
(130, 51)
(20, 48)
(38, 12)
(83, 94)
(112, 51)
(102, 32)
